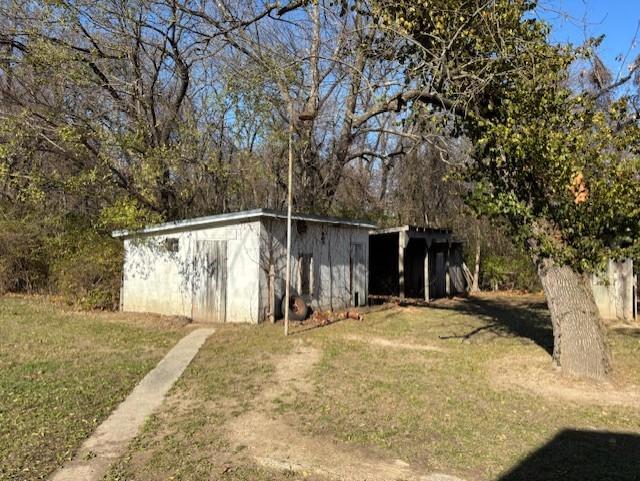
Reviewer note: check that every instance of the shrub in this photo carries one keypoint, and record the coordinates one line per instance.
(508, 272)
(87, 268)
(23, 257)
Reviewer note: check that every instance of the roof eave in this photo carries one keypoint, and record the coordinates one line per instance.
(203, 222)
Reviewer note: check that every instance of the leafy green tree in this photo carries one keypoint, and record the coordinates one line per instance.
(556, 166)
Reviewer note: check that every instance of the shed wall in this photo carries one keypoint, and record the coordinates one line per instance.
(160, 281)
(614, 291)
(331, 248)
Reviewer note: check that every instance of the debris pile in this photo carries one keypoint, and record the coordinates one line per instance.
(323, 318)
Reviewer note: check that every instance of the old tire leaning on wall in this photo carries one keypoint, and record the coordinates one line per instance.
(298, 308)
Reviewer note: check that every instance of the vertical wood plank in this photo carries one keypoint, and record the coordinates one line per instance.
(210, 281)
(357, 274)
(272, 293)
(223, 281)
(447, 275)
(426, 272)
(401, 248)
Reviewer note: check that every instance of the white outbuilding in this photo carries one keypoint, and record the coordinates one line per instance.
(615, 290)
(230, 267)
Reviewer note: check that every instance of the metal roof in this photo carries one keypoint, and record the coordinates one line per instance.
(212, 220)
(412, 228)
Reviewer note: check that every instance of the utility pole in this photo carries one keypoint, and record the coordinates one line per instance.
(287, 285)
(304, 116)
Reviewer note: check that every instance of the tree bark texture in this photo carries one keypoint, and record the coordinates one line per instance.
(580, 347)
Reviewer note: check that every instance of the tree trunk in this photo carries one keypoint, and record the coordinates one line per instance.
(475, 287)
(580, 346)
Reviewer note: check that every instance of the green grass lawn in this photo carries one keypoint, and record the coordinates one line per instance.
(442, 410)
(437, 410)
(186, 440)
(62, 373)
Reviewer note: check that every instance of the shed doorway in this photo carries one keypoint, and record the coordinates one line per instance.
(210, 281)
(437, 283)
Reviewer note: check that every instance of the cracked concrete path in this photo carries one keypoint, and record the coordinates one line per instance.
(111, 438)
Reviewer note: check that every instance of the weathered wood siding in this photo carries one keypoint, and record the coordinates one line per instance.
(158, 280)
(614, 291)
(210, 281)
(339, 268)
(221, 273)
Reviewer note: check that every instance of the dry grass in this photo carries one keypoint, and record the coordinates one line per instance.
(438, 410)
(61, 374)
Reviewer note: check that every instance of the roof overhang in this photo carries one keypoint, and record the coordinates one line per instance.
(236, 217)
(412, 229)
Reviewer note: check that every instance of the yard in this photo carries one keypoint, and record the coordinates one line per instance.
(463, 388)
(62, 373)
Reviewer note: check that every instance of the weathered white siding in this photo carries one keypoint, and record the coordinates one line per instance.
(614, 291)
(331, 248)
(156, 280)
(159, 280)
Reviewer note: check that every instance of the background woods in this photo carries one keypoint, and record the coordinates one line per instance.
(119, 113)
(116, 113)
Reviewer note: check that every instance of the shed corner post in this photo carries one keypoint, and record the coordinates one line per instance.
(272, 293)
(427, 294)
(122, 275)
(402, 244)
(447, 266)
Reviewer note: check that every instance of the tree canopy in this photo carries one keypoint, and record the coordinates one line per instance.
(116, 114)
(555, 163)
(552, 161)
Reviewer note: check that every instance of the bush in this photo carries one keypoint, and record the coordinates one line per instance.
(87, 268)
(23, 257)
(508, 272)
(63, 256)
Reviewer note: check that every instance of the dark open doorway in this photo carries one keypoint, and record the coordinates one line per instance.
(415, 262)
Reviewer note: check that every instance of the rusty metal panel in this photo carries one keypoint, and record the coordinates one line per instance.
(210, 281)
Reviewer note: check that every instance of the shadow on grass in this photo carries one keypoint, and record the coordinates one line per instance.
(582, 456)
(627, 331)
(506, 318)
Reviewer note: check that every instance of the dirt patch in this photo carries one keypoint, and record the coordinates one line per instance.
(537, 375)
(275, 444)
(291, 372)
(393, 344)
(520, 296)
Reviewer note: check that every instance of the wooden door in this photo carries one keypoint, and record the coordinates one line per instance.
(210, 281)
(358, 275)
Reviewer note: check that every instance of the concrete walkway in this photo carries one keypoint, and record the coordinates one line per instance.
(112, 437)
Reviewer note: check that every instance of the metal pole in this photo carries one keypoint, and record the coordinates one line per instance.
(287, 288)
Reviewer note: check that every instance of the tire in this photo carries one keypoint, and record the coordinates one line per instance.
(298, 308)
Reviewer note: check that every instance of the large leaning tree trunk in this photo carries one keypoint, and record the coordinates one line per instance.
(580, 347)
